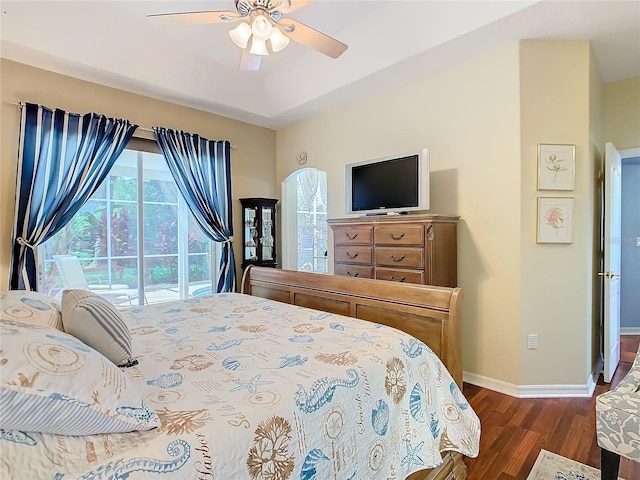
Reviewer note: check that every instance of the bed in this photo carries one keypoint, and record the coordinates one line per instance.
(299, 376)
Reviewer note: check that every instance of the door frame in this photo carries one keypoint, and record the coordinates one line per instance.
(624, 153)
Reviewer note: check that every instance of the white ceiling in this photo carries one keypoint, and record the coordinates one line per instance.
(390, 42)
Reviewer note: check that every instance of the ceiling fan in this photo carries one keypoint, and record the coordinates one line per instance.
(262, 20)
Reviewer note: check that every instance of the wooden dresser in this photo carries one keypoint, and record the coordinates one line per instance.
(400, 248)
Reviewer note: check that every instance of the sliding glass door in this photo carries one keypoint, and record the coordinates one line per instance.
(134, 236)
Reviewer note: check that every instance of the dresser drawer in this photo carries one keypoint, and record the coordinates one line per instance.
(353, 254)
(400, 275)
(353, 235)
(406, 257)
(403, 234)
(346, 270)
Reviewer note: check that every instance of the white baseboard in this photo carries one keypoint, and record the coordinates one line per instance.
(490, 383)
(532, 391)
(630, 331)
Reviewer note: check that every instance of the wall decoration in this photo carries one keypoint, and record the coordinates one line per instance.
(556, 166)
(555, 220)
(302, 158)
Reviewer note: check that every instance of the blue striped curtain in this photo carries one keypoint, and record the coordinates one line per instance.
(62, 159)
(202, 170)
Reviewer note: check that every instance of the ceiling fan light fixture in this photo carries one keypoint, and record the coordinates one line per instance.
(241, 34)
(261, 22)
(261, 28)
(258, 47)
(278, 40)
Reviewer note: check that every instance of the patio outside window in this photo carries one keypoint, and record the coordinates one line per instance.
(135, 234)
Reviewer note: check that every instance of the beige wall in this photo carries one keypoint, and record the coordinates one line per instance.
(468, 116)
(556, 279)
(482, 120)
(596, 142)
(622, 113)
(252, 163)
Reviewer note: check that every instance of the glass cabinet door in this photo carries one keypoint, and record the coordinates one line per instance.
(267, 233)
(259, 231)
(250, 233)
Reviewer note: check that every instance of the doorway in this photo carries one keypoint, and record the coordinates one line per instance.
(619, 305)
(630, 251)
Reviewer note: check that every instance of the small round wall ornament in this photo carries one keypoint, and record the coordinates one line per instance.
(301, 158)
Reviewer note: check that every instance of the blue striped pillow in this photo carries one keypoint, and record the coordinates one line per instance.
(94, 320)
(53, 383)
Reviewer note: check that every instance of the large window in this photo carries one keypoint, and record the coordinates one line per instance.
(135, 240)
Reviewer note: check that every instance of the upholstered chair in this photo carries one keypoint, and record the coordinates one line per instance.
(618, 422)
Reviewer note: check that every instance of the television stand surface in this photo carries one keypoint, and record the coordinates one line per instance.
(384, 213)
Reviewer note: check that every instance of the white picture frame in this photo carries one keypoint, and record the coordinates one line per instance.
(556, 166)
(555, 220)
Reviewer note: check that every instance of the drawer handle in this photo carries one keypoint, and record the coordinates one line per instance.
(396, 238)
(401, 279)
(399, 259)
(351, 237)
(349, 274)
(352, 256)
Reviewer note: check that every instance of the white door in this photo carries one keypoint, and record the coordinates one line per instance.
(612, 247)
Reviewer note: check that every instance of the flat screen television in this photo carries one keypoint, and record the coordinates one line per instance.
(388, 185)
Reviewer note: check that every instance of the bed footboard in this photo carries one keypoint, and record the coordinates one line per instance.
(431, 314)
(453, 468)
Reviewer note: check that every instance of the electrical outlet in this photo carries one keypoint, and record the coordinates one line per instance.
(532, 341)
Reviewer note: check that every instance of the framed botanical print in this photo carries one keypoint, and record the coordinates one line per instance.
(555, 220)
(556, 167)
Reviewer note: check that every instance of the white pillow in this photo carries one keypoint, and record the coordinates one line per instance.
(94, 320)
(53, 383)
(32, 307)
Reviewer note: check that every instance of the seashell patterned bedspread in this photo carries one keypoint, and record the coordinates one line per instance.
(248, 388)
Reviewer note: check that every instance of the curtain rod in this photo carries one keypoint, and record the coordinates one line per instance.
(144, 129)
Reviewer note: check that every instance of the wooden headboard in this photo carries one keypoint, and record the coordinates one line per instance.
(431, 314)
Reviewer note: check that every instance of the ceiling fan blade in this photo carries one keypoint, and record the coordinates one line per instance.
(194, 18)
(295, 5)
(313, 38)
(248, 62)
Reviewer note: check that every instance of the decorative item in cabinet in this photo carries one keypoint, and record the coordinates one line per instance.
(259, 231)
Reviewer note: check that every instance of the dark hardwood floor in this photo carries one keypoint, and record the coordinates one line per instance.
(514, 430)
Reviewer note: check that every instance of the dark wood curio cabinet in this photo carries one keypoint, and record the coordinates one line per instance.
(259, 232)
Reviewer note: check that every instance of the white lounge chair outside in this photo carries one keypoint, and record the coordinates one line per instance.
(72, 276)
